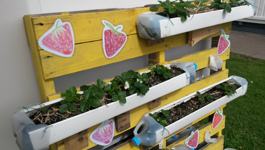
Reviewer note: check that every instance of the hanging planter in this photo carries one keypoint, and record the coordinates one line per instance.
(176, 115)
(156, 25)
(40, 136)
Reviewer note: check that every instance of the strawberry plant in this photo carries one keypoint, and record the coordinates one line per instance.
(92, 95)
(208, 97)
(221, 4)
(161, 71)
(70, 96)
(161, 120)
(201, 97)
(228, 89)
(174, 8)
(140, 86)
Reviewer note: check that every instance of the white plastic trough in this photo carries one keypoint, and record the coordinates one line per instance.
(194, 22)
(172, 128)
(73, 125)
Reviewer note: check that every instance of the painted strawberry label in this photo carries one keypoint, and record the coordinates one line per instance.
(103, 135)
(193, 140)
(223, 43)
(113, 39)
(59, 39)
(217, 118)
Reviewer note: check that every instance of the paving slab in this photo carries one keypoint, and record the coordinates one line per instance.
(246, 43)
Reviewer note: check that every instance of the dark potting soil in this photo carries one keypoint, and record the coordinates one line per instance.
(192, 105)
(52, 115)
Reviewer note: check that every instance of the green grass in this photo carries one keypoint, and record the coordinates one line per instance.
(245, 116)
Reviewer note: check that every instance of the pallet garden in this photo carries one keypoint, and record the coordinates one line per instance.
(119, 113)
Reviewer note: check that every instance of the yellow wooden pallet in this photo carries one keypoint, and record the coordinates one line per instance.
(88, 54)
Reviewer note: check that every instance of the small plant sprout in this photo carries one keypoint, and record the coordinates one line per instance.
(126, 85)
(179, 109)
(201, 97)
(208, 97)
(165, 113)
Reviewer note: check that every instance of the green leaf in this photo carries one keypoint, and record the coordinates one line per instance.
(84, 87)
(63, 108)
(94, 102)
(107, 88)
(154, 115)
(122, 99)
(100, 84)
(63, 102)
(65, 93)
(125, 76)
(122, 93)
(72, 107)
(83, 106)
(70, 98)
(165, 113)
(87, 95)
(115, 98)
(72, 89)
(118, 78)
(144, 89)
(132, 89)
(163, 123)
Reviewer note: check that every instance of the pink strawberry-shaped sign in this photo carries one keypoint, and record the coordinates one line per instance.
(113, 39)
(193, 140)
(223, 43)
(59, 39)
(103, 135)
(217, 118)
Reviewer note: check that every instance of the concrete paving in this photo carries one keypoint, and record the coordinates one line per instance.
(246, 43)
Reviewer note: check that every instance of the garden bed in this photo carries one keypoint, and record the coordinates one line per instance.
(184, 111)
(78, 121)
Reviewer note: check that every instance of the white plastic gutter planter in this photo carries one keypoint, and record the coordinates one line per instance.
(41, 136)
(152, 26)
(152, 132)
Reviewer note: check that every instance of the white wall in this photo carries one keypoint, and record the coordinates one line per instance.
(17, 78)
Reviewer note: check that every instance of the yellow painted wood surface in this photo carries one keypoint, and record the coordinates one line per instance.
(88, 34)
(215, 146)
(201, 134)
(137, 113)
(90, 55)
(46, 87)
(87, 26)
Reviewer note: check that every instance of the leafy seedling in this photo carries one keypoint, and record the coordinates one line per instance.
(201, 97)
(208, 97)
(165, 113)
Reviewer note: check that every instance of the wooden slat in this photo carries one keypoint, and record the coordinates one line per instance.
(198, 35)
(46, 87)
(91, 55)
(215, 146)
(202, 134)
(88, 26)
(201, 58)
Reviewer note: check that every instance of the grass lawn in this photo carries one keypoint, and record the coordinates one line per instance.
(245, 123)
